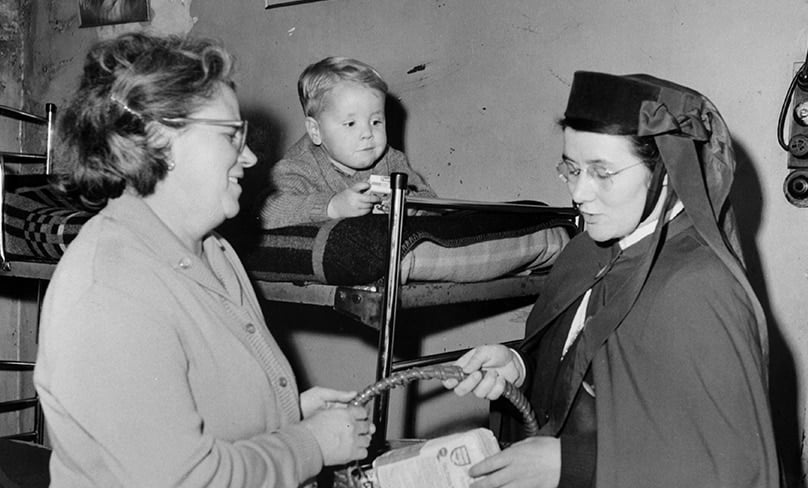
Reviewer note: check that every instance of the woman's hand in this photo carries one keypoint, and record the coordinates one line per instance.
(352, 202)
(534, 462)
(343, 434)
(489, 367)
(318, 398)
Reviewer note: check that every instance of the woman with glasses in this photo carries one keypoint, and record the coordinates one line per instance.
(155, 365)
(645, 358)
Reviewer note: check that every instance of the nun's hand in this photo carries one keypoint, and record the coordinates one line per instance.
(532, 463)
(488, 368)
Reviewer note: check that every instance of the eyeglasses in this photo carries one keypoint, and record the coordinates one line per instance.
(569, 173)
(238, 139)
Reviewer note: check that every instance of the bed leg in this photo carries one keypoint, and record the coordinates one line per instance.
(398, 185)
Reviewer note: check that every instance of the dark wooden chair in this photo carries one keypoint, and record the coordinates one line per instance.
(23, 457)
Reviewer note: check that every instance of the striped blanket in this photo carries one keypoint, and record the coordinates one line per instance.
(354, 250)
(40, 223)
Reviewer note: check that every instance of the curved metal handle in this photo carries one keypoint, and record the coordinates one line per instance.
(445, 372)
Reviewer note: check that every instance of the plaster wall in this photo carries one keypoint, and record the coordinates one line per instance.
(480, 85)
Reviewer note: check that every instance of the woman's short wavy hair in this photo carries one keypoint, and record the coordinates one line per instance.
(128, 85)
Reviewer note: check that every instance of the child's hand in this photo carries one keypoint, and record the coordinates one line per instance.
(352, 202)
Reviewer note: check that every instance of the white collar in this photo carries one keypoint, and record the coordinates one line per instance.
(646, 228)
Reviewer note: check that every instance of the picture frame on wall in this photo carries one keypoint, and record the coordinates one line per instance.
(270, 4)
(95, 13)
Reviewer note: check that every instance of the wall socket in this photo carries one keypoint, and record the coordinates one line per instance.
(795, 186)
(798, 118)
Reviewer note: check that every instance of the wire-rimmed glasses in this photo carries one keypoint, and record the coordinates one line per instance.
(238, 139)
(569, 173)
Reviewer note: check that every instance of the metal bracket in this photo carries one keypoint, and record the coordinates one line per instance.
(362, 305)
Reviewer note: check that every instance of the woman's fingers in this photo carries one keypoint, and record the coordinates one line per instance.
(468, 384)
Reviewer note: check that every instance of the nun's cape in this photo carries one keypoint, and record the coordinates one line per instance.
(697, 153)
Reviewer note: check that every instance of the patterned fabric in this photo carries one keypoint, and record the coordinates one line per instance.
(353, 251)
(40, 222)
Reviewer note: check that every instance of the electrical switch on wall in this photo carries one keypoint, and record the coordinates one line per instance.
(795, 186)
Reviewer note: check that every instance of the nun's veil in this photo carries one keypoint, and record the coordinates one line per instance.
(695, 147)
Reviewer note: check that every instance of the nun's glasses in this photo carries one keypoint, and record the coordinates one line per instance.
(238, 139)
(569, 173)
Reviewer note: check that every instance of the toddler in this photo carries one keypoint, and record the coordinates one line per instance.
(324, 175)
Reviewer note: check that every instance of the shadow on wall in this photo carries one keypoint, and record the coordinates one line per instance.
(422, 325)
(746, 198)
(325, 348)
(263, 138)
(396, 122)
(329, 349)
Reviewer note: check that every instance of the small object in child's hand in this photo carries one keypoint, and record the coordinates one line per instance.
(382, 207)
(379, 184)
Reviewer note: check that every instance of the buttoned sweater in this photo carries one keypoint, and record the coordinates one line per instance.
(156, 367)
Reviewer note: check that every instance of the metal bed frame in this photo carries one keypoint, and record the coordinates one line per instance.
(22, 163)
(375, 306)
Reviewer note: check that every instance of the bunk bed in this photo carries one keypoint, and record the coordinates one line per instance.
(23, 457)
(38, 224)
(377, 304)
(18, 163)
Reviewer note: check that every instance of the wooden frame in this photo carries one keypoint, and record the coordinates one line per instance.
(270, 4)
(96, 13)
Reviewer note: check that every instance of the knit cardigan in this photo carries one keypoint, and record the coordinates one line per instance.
(156, 368)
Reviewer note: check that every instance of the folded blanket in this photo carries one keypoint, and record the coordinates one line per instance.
(354, 250)
(40, 222)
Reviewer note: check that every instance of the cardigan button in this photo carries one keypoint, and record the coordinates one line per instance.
(184, 263)
(250, 328)
(283, 381)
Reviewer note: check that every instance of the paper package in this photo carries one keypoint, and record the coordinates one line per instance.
(438, 463)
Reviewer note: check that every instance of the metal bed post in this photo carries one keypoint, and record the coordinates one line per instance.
(23, 163)
(4, 266)
(398, 186)
(50, 115)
